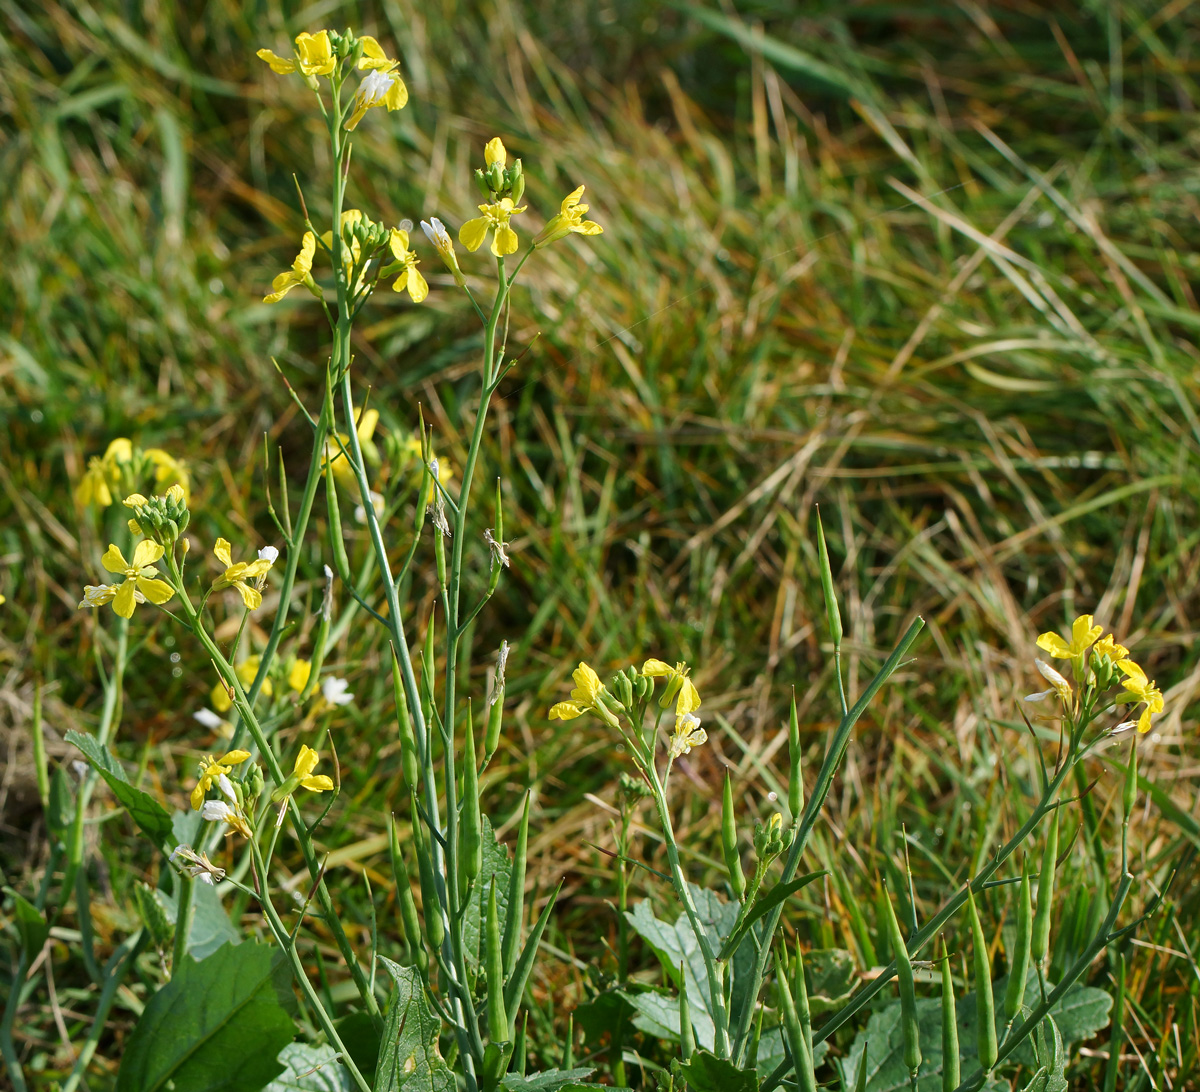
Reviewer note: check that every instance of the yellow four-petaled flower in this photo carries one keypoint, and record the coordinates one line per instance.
(300, 273)
(568, 220)
(1083, 633)
(212, 770)
(1141, 689)
(140, 583)
(238, 575)
(410, 276)
(495, 219)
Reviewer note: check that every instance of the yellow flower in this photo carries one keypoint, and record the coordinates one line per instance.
(103, 472)
(495, 218)
(373, 55)
(495, 152)
(678, 685)
(687, 734)
(584, 698)
(1107, 646)
(568, 219)
(365, 428)
(1141, 689)
(410, 277)
(300, 273)
(380, 87)
(237, 575)
(351, 247)
(298, 675)
(302, 776)
(246, 671)
(1083, 633)
(314, 56)
(211, 771)
(139, 584)
(169, 469)
(217, 811)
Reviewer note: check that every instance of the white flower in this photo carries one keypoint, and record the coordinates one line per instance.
(1057, 683)
(335, 691)
(374, 87)
(208, 718)
(687, 734)
(268, 553)
(226, 788)
(436, 233)
(217, 811)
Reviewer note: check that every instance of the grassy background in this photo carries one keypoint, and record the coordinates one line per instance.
(931, 267)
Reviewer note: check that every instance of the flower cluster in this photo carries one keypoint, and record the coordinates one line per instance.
(123, 468)
(141, 583)
(1096, 661)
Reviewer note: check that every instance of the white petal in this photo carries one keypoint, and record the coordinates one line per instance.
(208, 718)
(268, 553)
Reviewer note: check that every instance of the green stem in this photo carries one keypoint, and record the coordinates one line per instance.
(185, 909)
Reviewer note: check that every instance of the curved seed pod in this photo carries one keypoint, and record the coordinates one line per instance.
(1045, 899)
(515, 913)
(470, 832)
(796, 770)
(687, 1037)
(985, 1004)
(909, 1025)
(951, 1071)
(1018, 970)
(497, 1017)
(801, 1058)
(729, 842)
(409, 762)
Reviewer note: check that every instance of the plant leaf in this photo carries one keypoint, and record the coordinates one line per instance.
(550, 1080)
(496, 862)
(779, 893)
(217, 1026)
(408, 1056)
(311, 1069)
(151, 817)
(31, 926)
(705, 1072)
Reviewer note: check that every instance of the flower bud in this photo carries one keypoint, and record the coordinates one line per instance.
(622, 688)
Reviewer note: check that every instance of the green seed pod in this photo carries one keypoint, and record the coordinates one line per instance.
(427, 673)
(409, 762)
(832, 612)
(1045, 899)
(497, 1018)
(795, 771)
(470, 830)
(985, 1004)
(1018, 970)
(515, 912)
(435, 930)
(909, 1024)
(950, 1058)
(495, 723)
(800, 991)
(729, 842)
(1129, 797)
(801, 1059)
(687, 1036)
(519, 1047)
(408, 908)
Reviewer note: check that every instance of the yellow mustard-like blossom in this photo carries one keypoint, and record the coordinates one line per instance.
(168, 469)
(410, 278)
(139, 586)
(680, 688)
(585, 698)
(298, 675)
(314, 56)
(495, 152)
(103, 473)
(237, 575)
(1140, 689)
(687, 734)
(1107, 646)
(211, 770)
(302, 776)
(495, 219)
(568, 220)
(300, 273)
(380, 87)
(1058, 684)
(1083, 633)
(365, 429)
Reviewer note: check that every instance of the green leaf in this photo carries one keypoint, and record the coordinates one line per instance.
(311, 1069)
(61, 803)
(705, 1072)
(211, 926)
(217, 1026)
(550, 1080)
(1051, 1056)
(778, 894)
(360, 1037)
(408, 1057)
(31, 926)
(151, 817)
(829, 974)
(496, 863)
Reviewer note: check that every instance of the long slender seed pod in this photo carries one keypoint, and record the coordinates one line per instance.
(1018, 971)
(729, 842)
(985, 1004)
(752, 1053)
(801, 1058)
(470, 829)
(1045, 899)
(800, 993)
(519, 1047)
(336, 541)
(435, 930)
(795, 770)
(909, 1025)
(498, 534)
(497, 1017)
(950, 1059)
(860, 1082)
(515, 988)
(409, 762)
(687, 1037)
(568, 1054)
(1117, 1039)
(408, 908)
(427, 671)
(495, 723)
(514, 917)
(831, 604)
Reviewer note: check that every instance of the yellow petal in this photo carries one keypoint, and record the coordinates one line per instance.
(223, 551)
(505, 241)
(282, 65)
(250, 596)
(198, 796)
(656, 669)
(494, 152)
(1143, 725)
(355, 118)
(233, 758)
(219, 698)
(418, 287)
(134, 500)
(146, 553)
(155, 591)
(298, 675)
(119, 451)
(571, 200)
(565, 710)
(124, 601)
(366, 424)
(373, 55)
(306, 762)
(252, 570)
(689, 699)
(1055, 645)
(320, 783)
(397, 95)
(304, 260)
(587, 683)
(398, 242)
(114, 561)
(473, 232)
